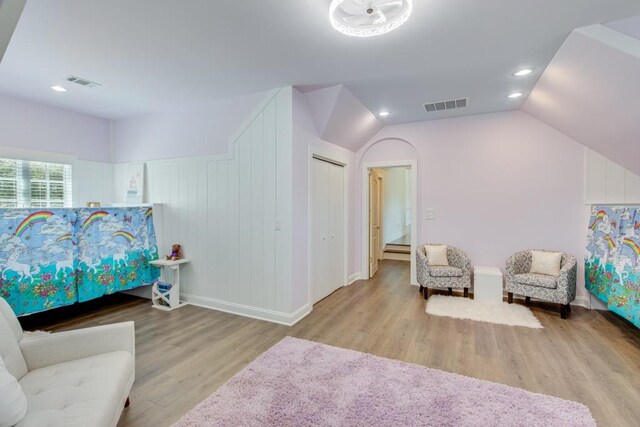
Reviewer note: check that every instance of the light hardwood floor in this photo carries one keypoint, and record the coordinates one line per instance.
(183, 356)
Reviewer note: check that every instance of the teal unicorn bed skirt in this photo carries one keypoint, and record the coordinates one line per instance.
(612, 263)
(56, 257)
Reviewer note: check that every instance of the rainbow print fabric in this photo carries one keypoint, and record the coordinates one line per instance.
(56, 257)
(37, 259)
(612, 262)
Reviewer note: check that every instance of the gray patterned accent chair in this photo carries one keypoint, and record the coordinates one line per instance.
(457, 275)
(560, 289)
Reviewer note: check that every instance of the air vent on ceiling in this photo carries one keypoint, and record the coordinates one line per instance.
(82, 82)
(432, 107)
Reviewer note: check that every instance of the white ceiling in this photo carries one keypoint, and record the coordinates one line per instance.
(591, 92)
(628, 26)
(152, 55)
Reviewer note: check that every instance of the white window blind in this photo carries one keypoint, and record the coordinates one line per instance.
(27, 184)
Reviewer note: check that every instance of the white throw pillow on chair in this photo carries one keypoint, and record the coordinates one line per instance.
(437, 255)
(13, 402)
(546, 263)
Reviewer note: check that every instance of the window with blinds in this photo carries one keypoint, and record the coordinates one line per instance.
(27, 184)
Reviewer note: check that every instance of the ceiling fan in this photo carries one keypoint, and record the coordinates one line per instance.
(365, 18)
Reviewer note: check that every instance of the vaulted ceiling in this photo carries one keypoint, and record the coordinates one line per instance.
(150, 55)
(591, 92)
(10, 11)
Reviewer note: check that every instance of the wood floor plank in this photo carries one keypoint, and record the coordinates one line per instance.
(185, 355)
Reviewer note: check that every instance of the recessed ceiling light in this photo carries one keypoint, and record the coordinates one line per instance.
(523, 72)
(515, 95)
(383, 113)
(58, 88)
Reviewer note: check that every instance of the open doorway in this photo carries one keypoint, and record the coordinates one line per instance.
(390, 219)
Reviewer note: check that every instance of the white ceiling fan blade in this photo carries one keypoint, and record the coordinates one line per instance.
(388, 3)
(382, 18)
(358, 20)
(353, 8)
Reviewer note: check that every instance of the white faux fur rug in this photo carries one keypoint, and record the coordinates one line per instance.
(465, 308)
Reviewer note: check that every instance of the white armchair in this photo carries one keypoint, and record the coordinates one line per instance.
(74, 378)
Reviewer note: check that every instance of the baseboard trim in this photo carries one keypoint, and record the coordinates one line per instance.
(582, 302)
(353, 278)
(287, 319)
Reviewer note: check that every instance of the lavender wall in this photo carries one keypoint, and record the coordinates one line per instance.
(32, 126)
(499, 183)
(193, 130)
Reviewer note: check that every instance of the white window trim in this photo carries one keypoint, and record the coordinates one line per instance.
(46, 157)
(36, 156)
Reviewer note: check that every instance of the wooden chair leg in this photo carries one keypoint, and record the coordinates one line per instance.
(510, 297)
(421, 288)
(127, 403)
(450, 291)
(569, 308)
(527, 300)
(425, 292)
(564, 313)
(466, 292)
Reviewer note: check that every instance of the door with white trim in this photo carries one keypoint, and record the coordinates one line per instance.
(374, 221)
(327, 228)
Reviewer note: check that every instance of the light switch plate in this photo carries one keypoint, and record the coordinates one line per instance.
(431, 214)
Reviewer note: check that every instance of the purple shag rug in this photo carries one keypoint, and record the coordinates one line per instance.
(303, 383)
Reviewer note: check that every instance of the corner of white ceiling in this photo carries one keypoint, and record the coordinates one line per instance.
(351, 120)
(321, 103)
(341, 118)
(611, 37)
(10, 11)
(629, 26)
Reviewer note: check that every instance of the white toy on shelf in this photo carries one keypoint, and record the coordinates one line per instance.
(167, 299)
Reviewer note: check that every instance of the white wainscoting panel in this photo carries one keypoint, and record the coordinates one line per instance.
(232, 214)
(609, 183)
(92, 182)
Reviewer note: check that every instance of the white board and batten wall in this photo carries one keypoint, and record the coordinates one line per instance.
(92, 182)
(232, 214)
(606, 182)
(327, 257)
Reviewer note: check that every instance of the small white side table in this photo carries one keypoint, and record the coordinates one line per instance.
(172, 296)
(487, 284)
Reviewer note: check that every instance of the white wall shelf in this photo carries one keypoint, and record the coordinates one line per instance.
(168, 300)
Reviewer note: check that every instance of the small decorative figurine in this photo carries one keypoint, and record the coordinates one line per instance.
(175, 253)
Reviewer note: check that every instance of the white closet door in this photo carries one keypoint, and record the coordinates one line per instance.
(327, 229)
(336, 227)
(319, 228)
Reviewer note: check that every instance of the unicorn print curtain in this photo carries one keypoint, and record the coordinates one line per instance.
(115, 246)
(37, 259)
(56, 257)
(612, 263)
